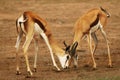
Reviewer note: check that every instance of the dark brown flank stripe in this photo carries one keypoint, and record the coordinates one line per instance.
(95, 22)
(40, 24)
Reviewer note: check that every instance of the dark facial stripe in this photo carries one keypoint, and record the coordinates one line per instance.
(95, 22)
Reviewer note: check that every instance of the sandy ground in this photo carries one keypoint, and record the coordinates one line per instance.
(61, 16)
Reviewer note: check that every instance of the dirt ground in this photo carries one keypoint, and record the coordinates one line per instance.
(61, 16)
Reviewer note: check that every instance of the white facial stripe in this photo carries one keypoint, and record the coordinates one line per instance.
(63, 60)
(67, 64)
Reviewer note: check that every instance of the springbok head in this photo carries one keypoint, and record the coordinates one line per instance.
(105, 11)
(71, 52)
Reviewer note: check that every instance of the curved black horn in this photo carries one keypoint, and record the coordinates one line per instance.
(65, 44)
(73, 49)
(102, 8)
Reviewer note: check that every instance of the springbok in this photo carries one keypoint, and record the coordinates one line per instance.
(87, 25)
(31, 25)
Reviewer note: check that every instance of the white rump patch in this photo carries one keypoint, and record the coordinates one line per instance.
(21, 19)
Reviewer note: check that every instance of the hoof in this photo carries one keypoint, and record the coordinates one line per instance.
(58, 69)
(94, 68)
(18, 72)
(34, 70)
(75, 66)
(66, 67)
(29, 74)
(86, 65)
(110, 66)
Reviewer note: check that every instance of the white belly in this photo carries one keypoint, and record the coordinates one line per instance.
(38, 29)
(95, 28)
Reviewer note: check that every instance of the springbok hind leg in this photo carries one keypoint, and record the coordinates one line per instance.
(75, 59)
(36, 53)
(90, 46)
(25, 48)
(17, 48)
(109, 56)
(95, 40)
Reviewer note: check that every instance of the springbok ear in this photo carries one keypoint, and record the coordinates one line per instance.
(73, 49)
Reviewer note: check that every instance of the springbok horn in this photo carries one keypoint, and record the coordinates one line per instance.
(102, 8)
(65, 44)
(73, 49)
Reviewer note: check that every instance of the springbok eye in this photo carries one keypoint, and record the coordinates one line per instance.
(68, 57)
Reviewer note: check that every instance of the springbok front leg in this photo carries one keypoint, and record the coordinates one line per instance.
(95, 40)
(90, 47)
(109, 56)
(17, 55)
(51, 53)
